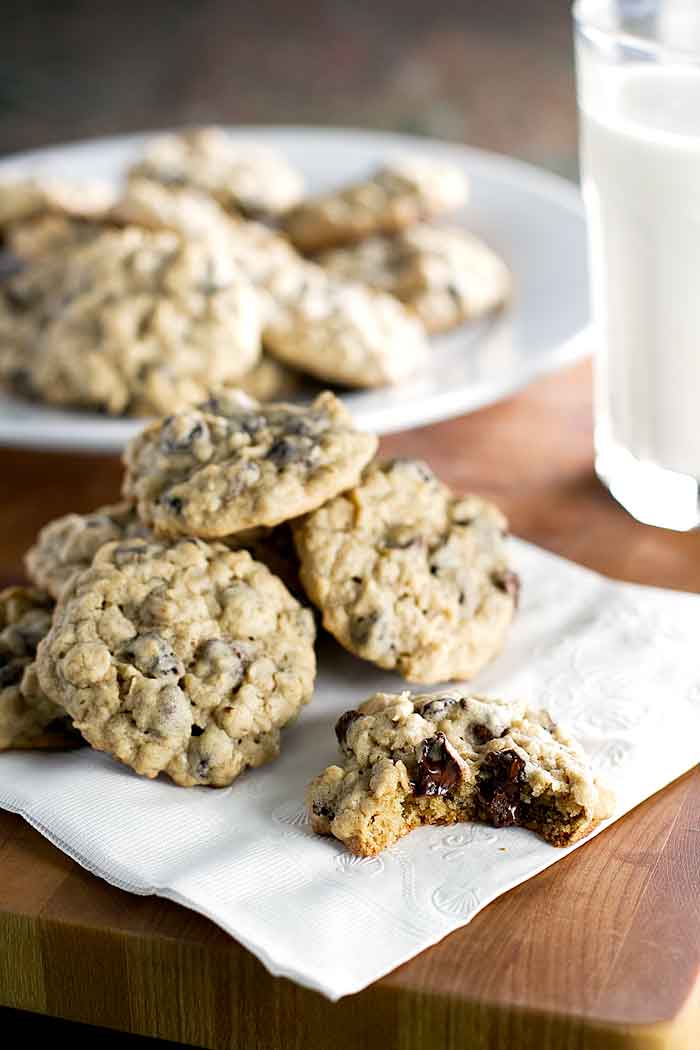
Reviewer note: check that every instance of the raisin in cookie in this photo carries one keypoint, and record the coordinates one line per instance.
(183, 658)
(232, 464)
(68, 544)
(247, 177)
(131, 322)
(448, 757)
(408, 575)
(28, 719)
(347, 333)
(444, 274)
(399, 193)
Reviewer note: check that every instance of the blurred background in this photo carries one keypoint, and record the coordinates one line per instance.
(493, 73)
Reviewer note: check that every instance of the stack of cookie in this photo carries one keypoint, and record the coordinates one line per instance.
(172, 630)
(209, 269)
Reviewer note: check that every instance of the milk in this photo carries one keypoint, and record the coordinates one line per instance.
(640, 150)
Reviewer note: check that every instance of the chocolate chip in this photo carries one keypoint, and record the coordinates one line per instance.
(498, 786)
(439, 767)
(202, 767)
(344, 723)
(196, 730)
(508, 582)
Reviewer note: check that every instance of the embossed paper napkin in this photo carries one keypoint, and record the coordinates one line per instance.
(617, 662)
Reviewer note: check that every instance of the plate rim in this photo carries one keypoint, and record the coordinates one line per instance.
(83, 435)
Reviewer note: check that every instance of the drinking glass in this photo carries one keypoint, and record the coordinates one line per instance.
(638, 79)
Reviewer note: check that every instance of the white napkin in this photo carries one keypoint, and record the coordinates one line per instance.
(616, 662)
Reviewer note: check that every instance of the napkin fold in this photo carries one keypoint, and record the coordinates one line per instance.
(615, 662)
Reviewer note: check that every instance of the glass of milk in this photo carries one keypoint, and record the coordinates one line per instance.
(638, 74)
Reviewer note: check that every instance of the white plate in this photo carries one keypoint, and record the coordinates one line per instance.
(534, 219)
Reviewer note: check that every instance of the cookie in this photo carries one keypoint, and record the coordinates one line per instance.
(246, 177)
(184, 658)
(231, 464)
(157, 207)
(133, 322)
(444, 274)
(28, 719)
(39, 235)
(270, 380)
(24, 197)
(68, 544)
(408, 575)
(401, 192)
(348, 334)
(441, 758)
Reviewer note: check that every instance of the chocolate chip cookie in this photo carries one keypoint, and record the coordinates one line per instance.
(408, 575)
(232, 464)
(348, 334)
(28, 719)
(444, 274)
(410, 760)
(68, 544)
(401, 192)
(246, 177)
(182, 658)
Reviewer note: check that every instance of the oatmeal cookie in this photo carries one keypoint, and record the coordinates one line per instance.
(401, 192)
(68, 544)
(24, 197)
(348, 334)
(28, 719)
(270, 380)
(131, 322)
(408, 575)
(232, 464)
(444, 274)
(183, 658)
(410, 760)
(246, 177)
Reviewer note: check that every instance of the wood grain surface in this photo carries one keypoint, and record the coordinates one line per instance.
(602, 950)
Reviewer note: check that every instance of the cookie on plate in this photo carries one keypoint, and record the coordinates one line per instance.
(444, 274)
(401, 192)
(40, 235)
(144, 202)
(246, 177)
(348, 334)
(68, 544)
(232, 464)
(22, 198)
(270, 380)
(132, 321)
(408, 575)
(28, 719)
(183, 658)
(441, 758)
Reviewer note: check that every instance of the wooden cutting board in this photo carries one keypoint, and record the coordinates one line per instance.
(600, 951)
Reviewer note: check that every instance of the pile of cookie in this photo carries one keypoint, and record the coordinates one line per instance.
(209, 268)
(174, 630)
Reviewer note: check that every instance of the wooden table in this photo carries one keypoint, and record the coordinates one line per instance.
(602, 950)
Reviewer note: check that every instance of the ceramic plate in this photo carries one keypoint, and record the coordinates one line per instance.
(534, 219)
